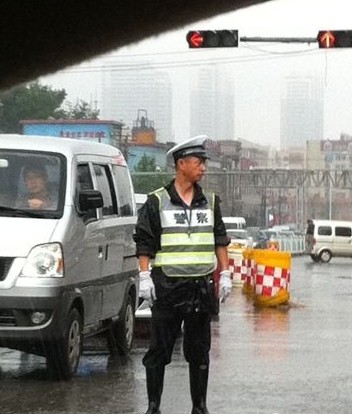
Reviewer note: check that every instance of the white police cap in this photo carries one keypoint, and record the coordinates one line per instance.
(194, 146)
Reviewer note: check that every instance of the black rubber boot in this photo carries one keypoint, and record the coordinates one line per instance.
(200, 410)
(153, 409)
(198, 379)
(155, 383)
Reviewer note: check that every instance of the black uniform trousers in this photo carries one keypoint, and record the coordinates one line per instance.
(180, 300)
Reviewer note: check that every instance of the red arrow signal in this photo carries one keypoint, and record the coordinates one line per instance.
(326, 40)
(195, 39)
(334, 38)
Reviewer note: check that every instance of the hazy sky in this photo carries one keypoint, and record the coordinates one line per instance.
(258, 69)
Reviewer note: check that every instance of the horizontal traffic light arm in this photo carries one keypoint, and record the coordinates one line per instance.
(279, 39)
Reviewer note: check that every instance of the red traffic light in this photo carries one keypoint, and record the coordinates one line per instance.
(212, 38)
(195, 39)
(328, 39)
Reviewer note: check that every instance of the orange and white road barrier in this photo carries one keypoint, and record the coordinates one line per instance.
(248, 283)
(272, 278)
(238, 267)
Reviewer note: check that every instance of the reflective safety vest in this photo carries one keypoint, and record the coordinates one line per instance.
(187, 239)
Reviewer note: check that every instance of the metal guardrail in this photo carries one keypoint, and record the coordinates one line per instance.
(291, 243)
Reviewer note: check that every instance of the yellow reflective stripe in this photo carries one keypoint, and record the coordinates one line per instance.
(188, 249)
(189, 258)
(176, 239)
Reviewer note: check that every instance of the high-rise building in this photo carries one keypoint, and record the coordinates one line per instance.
(302, 111)
(212, 104)
(128, 90)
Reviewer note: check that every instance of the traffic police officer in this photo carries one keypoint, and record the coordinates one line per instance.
(179, 236)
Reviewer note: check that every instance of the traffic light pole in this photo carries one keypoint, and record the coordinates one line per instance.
(280, 39)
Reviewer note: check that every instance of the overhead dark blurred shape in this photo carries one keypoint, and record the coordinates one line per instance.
(39, 37)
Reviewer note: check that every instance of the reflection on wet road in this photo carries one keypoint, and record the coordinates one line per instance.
(293, 359)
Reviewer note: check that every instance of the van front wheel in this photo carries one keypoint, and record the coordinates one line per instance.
(120, 334)
(62, 356)
(325, 256)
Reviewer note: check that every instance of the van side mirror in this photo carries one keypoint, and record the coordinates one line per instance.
(90, 199)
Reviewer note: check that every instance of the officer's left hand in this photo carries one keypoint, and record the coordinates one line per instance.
(146, 287)
(225, 285)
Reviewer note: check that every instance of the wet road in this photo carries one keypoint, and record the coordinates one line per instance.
(296, 359)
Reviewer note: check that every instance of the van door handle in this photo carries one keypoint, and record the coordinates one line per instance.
(106, 252)
(100, 252)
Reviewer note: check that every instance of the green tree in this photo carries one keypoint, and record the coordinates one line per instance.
(31, 101)
(81, 110)
(145, 183)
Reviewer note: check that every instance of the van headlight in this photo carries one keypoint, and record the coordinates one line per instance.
(45, 260)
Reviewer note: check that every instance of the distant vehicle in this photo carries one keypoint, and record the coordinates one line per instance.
(240, 237)
(232, 223)
(281, 228)
(140, 199)
(331, 238)
(260, 237)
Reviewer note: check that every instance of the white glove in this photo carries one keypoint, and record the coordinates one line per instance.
(225, 285)
(146, 287)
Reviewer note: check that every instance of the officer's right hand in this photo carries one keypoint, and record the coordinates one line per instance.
(225, 285)
(146, 287)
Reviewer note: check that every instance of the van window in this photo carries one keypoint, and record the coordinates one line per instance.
(324, 230)
(84, 182)
(31, 180)
(343, 231)
(84, 178)
(123, 190)
(105, 186)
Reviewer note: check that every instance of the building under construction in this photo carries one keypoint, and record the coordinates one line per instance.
(143, 131)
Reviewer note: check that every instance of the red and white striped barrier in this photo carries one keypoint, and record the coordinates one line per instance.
(238, 266)
(251, 271)
(232, 266)
(240, 272)
(270, 280)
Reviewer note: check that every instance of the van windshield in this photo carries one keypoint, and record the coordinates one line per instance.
(32, 184)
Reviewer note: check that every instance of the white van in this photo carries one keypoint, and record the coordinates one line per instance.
(331, 238)
(68, 270)
(234, 223)
(236, 231)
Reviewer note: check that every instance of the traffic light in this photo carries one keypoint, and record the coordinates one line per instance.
(212, 38)
(328, 39)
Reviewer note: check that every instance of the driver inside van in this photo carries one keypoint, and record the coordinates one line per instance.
(37, 196)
